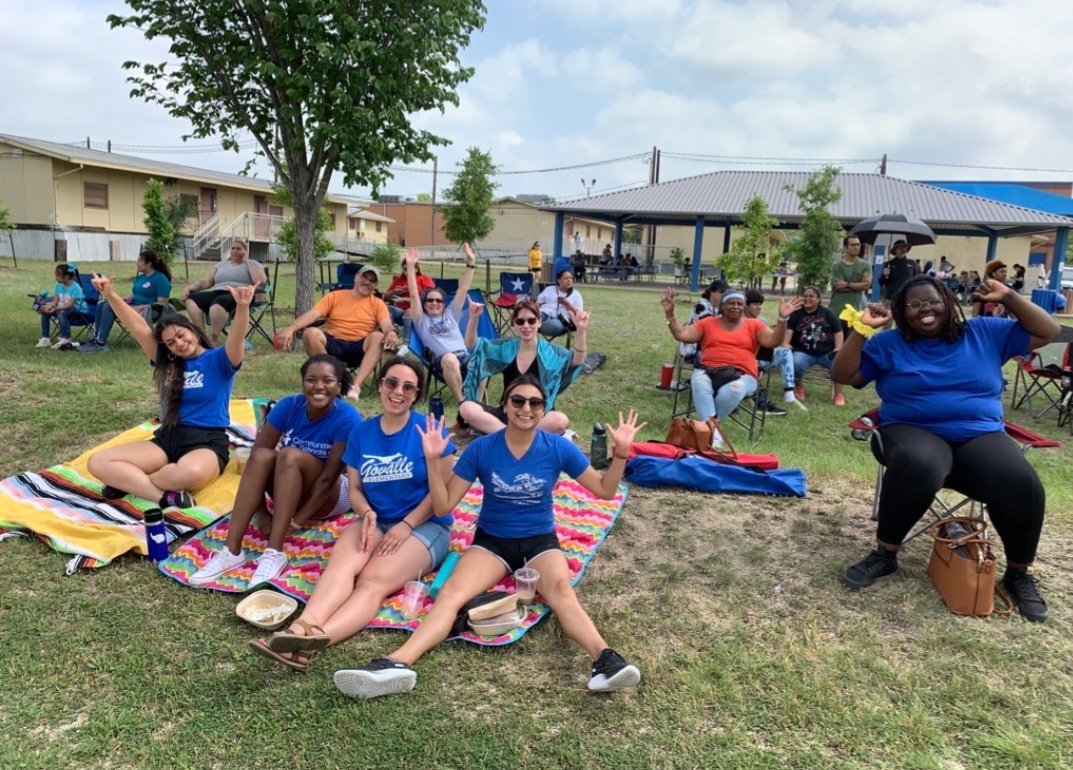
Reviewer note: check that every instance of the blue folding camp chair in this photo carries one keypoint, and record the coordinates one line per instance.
(81, 323)
(485, 330)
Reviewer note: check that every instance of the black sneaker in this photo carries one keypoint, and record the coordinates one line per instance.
(1023, 589)
(380, 676)
(610, 672)
(771, 410)
(879, 563)
(173, 500)
(112, 493)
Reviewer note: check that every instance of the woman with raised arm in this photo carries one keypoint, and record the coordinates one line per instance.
(518, 467)
(399, 536)
(941, 423)
(439, 326)
(553, 366)
(194, 380)
(297, 464)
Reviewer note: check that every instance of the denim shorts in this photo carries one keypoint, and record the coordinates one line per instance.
(435, 537)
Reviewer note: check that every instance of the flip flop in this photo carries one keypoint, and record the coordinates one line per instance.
(312, 640)
(299, 661)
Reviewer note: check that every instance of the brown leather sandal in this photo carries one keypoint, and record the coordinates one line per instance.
(297, 660)
(312, 639)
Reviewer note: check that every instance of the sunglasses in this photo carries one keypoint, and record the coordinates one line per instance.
(527, 321)
(535, 403)
(433, 301)
(394, 383)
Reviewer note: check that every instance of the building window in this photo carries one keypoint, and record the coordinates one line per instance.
(379, 226)
(95, 195)
(331, 218)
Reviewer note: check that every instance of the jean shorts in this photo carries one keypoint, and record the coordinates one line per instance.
(435, 537)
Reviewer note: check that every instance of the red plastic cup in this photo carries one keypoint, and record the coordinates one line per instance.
(277, 341)
(666, 376)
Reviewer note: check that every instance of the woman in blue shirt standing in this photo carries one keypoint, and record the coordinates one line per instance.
(940, 381)
(194, 380)
(303, 477)
(399, 536)
(518, 467)
(151, 286)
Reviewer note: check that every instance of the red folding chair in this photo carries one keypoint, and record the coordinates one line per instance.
(1039, 376)
(866, 428)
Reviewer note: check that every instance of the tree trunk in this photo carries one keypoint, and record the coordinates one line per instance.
(305, 215)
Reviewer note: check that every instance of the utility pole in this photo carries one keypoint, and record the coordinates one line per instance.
(650, 232)
(432, 210)
(883, 165)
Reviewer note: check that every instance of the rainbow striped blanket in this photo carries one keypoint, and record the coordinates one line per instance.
(64, 507)
(581, 522)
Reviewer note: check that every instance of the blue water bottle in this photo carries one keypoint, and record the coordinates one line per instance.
(445, 572)
(435, 407)
(156, 537)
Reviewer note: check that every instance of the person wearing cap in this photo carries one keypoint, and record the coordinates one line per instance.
(707, 305)
(727, 371)
(995, 270)
(897, 270)
(358, 327)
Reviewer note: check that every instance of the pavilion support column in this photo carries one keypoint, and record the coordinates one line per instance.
(618, 239)
(992, 246)
(557, 248)
(726, 238)
(698, 244)
(1061, 242)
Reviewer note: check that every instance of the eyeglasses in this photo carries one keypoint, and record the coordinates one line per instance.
(535, 403)
(919, 304)
(433, 301)
(527, 321)
(394, 383)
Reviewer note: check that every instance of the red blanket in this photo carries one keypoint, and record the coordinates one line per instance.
(673, 452)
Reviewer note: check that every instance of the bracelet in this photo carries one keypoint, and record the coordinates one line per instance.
(671, 320)
(784, 320)
(852, 317)
(470, 267)
(580, 350)
(408, 524)
(369, 510)
(620, 457)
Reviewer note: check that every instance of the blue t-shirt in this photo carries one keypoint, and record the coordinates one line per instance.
(290, 416)
(953, 389)
(75, 292)
(394, 475)
(207, 390)
(517, 492)
(146, 289)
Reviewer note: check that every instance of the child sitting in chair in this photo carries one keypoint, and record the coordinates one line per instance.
(68, 300)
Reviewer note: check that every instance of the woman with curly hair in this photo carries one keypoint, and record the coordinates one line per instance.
(941, 424)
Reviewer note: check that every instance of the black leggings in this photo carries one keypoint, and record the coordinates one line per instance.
(989, 468)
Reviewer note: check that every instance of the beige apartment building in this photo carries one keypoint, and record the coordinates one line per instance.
(71, 202)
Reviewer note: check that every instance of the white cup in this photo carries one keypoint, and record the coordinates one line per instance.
(242, 456)
(413, 599)
(525, 582)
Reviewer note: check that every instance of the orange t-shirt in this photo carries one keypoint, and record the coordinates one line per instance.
(349, 317)
(719, 347)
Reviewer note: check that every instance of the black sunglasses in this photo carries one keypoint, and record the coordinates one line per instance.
(527, 321)
(436, 300)
(535, 403)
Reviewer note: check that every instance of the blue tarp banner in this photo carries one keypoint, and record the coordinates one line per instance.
(705, 475)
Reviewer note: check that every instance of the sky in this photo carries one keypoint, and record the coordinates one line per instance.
(947, 89)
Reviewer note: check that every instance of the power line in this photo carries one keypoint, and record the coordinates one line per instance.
(986, 168)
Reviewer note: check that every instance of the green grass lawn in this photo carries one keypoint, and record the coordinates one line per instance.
(753, 655)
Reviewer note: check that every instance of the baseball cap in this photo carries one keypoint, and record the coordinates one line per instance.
(370, 269)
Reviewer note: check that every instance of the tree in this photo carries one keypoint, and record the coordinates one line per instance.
(752, 253)
(287, 234)
(424, 197)
(162, 235)
(8, 225)
(820, 236)
(468, 221)
(319, 85)
(386, 257)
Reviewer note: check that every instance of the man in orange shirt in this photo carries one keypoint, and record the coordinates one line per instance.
(358, 326)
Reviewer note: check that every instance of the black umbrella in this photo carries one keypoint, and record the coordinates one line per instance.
(912, 230)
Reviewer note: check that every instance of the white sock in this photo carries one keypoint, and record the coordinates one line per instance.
(788, 396)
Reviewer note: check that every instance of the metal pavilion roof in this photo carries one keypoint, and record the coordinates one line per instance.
(721, 196)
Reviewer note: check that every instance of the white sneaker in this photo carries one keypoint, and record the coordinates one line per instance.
(60, 343)
(380, 676)
(788, 396)
(44, 342)
(269, 566)
(222, 561)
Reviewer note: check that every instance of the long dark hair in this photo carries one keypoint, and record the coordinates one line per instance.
(953, 317)
(517, 382)
(170, 372)
(346, 380)
(159, 265)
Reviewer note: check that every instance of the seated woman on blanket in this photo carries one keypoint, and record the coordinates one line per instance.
(303, 476)
(438, 324)
(553, 366)
(194, 380)
(728, 344)
(516, 527)
(399, 536)
(151, 286)
(940, 381)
